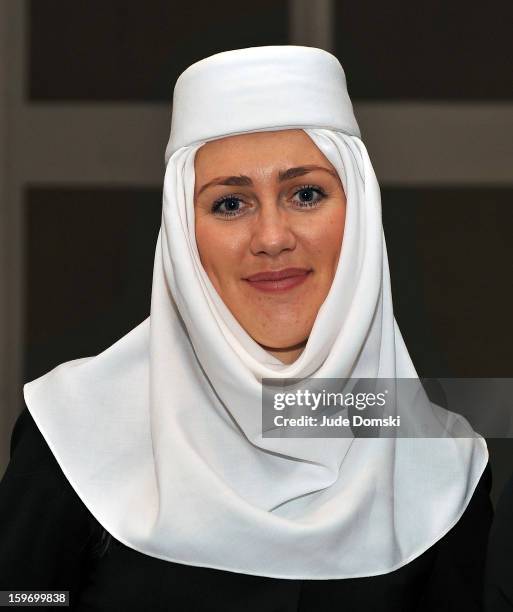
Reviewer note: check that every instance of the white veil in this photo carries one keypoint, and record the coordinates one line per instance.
(160, 434)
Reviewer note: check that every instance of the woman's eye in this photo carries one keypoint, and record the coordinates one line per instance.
(230, 204)
(310, 195)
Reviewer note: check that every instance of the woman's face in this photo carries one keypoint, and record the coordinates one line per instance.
(266, 202)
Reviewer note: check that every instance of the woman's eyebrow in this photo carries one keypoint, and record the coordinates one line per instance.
(242, 180)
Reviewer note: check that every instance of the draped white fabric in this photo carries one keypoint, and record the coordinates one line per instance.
(160, 434)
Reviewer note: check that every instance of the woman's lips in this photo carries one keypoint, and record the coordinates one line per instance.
(280, 285)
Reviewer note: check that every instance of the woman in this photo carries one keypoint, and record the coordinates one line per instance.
(160, 489)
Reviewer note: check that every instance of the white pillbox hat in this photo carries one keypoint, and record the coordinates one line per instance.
(260, 88)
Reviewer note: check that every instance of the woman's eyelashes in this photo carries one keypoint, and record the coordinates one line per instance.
(309, 190)
(309, 197)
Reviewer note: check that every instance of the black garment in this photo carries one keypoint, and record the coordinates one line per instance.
(499, 565)
(49, 540)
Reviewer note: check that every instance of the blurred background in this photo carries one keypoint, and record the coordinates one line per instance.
(86, 90)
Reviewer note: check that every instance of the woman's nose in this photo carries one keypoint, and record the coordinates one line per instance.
(272, 231)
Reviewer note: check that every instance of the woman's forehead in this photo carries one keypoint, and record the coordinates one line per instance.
(270, 149)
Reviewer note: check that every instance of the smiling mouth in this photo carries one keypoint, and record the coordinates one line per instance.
(288, 281)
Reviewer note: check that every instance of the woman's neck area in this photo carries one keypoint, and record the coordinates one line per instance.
(286, 355)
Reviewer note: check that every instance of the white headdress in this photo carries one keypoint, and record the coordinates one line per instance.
(160, 434)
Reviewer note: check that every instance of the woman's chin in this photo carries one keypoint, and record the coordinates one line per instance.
(278, 345)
